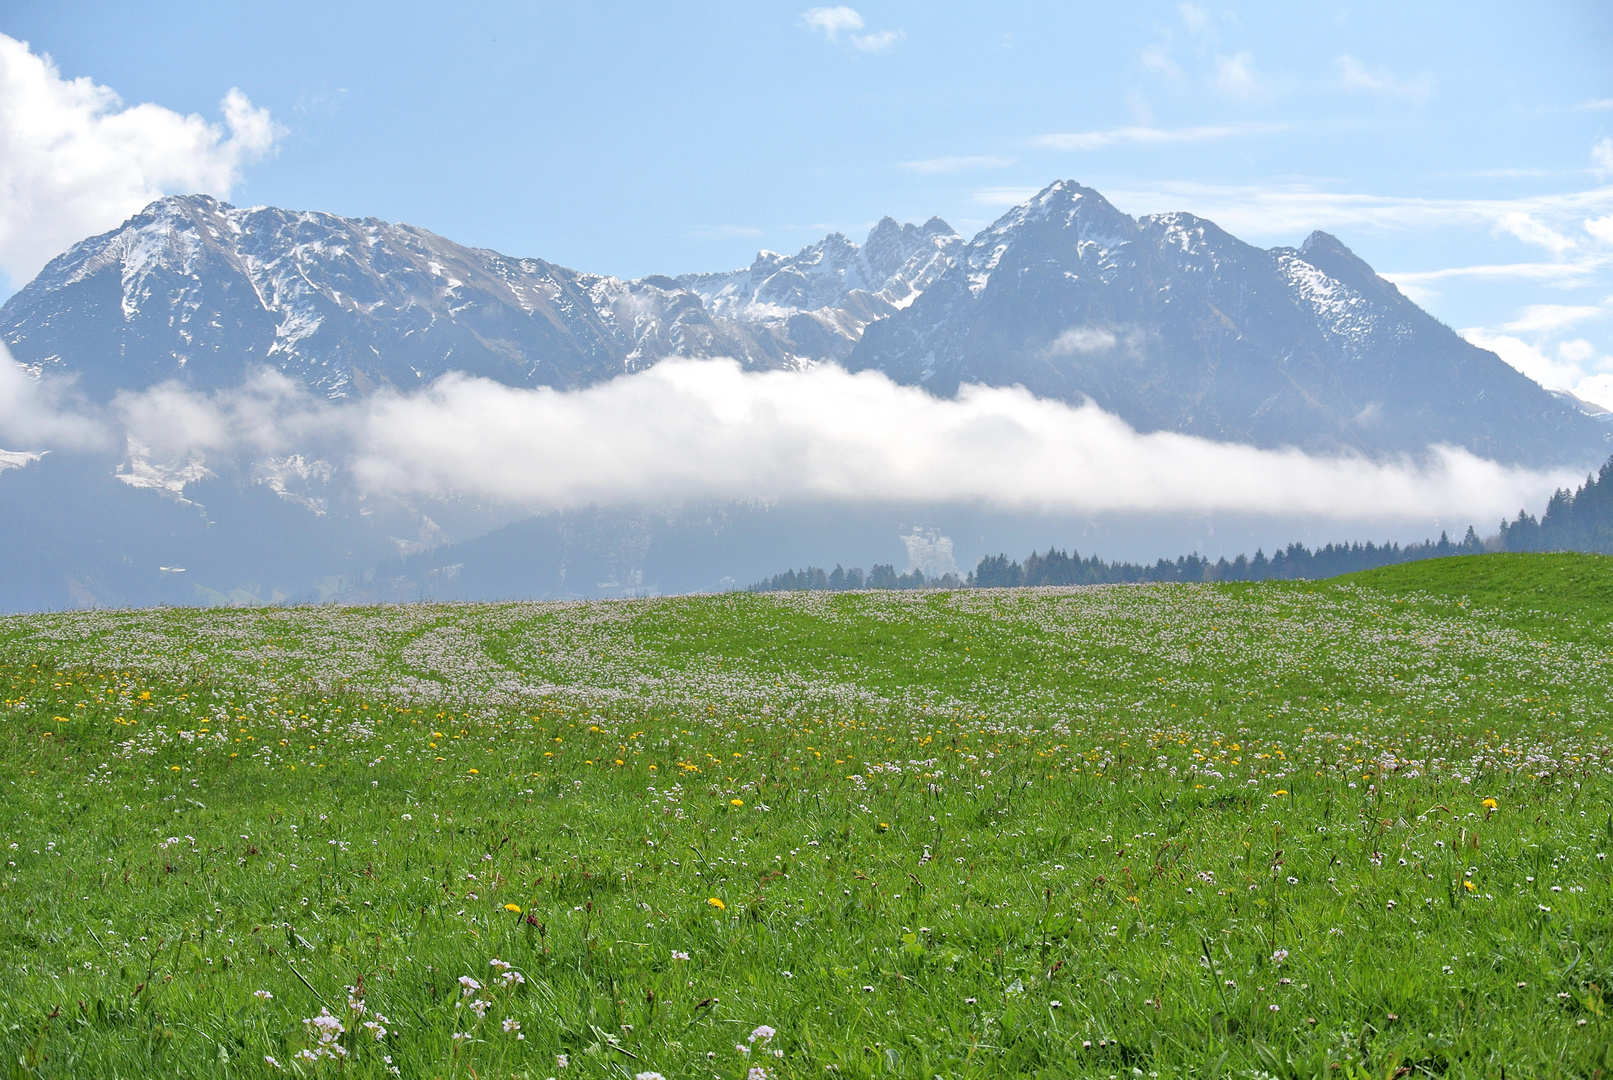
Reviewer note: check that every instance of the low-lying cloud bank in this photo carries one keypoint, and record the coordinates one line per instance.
(707, 430)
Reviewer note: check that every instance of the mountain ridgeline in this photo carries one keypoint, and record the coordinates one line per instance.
(1166, 320)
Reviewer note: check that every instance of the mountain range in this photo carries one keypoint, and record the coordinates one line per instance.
(1166, 320)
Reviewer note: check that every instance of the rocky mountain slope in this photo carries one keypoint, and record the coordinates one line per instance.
(1166, 320)
(820, 300)
(200, 291)
(1175, 325)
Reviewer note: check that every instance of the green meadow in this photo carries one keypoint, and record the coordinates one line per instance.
(1352, 828)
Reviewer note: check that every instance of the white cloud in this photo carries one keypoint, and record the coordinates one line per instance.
(1083, 339)
(1563, 273)
(832, 20)
(75, 161)
(1354, 75)
(699, 429)
(877, 41)
(1526, 358)
(35, 414)
(705, 429)
(1286, 209)
(1575, 367)
(1098, 140)
(1549, 317)
(1528, 228)
(1602, 155)
(1596, 389)
(957, 164)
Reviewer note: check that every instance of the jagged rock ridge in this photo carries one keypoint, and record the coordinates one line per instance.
(201, 291)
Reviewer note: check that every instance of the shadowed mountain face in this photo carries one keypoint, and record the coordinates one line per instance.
(1175, 325)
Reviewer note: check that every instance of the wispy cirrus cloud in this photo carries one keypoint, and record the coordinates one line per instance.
(1189, 49)
(1551, 317)
(1553, 273)
(1099, 140)
(1356, 76)
(833, 22)
(1558, 222)
(957, 164)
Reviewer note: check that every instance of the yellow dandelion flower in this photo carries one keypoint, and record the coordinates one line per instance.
(716, 903)
(1469, 886)
(1280, 791)
(513, 907)
(473, 772)
(736, 802)
(1490, 804)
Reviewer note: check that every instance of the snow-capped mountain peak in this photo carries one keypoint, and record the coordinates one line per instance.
(1166, 320)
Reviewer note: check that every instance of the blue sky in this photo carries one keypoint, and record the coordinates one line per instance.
(1462, 148)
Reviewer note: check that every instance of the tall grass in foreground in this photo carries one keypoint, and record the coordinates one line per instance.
(1184, 831)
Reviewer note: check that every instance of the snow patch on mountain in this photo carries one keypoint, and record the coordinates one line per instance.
(828, 292)
(170, 478)
(1342, 313)
(297, 479)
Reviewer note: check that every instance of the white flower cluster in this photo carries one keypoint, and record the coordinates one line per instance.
(327, 1032)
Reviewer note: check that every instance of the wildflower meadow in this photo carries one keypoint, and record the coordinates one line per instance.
(1353, 828)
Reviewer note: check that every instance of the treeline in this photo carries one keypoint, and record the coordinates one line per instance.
(882, 576)
(1294, 562)
(1055, 567)
(1580, 520)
